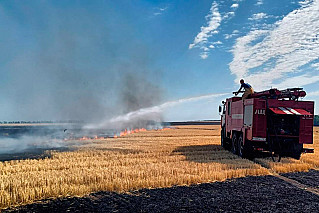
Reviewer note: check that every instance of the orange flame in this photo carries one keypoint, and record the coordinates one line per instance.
(132, 131)
(127, 132)
(121, 134)
(166, 128)
(84, 138)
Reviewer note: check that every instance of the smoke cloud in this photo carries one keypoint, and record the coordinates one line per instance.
(137, 93)
(66, 63)
(28, 143)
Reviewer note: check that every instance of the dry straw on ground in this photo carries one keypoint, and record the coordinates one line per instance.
(182, 156)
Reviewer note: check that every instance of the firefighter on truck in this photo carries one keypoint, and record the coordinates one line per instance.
(248, 89)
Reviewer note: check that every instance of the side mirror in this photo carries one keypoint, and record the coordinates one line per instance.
(220, 109)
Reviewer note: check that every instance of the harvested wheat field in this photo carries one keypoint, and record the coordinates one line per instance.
(180, 156)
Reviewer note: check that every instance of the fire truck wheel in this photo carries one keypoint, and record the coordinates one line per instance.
(222, 143)
(241, 147)
(223, 139)
(234, 148)
(297, 150)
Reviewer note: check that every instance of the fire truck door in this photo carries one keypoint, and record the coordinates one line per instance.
(306, 129)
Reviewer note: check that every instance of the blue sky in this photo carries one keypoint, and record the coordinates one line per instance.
(67, 59)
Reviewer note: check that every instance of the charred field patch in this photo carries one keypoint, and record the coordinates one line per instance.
(38, 153)
(310, 178)
(248, 194)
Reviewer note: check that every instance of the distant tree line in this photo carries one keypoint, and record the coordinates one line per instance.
(39, 122)
(316, 120)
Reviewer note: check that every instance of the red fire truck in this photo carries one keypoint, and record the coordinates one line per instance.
(273, 120)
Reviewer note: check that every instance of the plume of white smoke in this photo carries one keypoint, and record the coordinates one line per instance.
(149, 113)
(28, 143)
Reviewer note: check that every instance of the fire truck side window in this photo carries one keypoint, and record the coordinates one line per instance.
(229, 108)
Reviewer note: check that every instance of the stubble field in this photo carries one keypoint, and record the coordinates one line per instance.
(184, 155)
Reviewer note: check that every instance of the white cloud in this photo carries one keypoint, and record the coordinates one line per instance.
(312, 94)
(213, 22)
(214, 19)
(305, 2)
(260, 2)
(163, 9)
(217, 42)
(214, 44)
(265, 56)
(229, 15)
(205, 49)
(234, 33)
(160, 10)
(258, 16)
(234, 5)
(298, 81)
(204, 55)
(315, 65)
(201, 40)
(228, 36)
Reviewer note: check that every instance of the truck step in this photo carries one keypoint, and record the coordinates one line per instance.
(308, 150)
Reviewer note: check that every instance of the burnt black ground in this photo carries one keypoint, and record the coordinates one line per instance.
(310, 178)
(248, 194)
(36, 153)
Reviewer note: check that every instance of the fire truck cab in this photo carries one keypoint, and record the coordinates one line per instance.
(273, 120)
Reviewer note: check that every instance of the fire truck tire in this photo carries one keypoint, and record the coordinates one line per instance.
(297, 150)
(242, 150)
(224, 141)
(234, 147)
